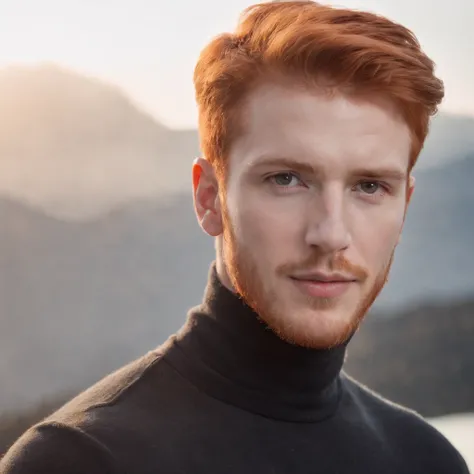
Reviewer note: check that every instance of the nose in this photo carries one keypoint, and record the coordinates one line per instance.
(328, 229)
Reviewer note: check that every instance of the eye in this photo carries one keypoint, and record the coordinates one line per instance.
(370, 187)
(286, 179)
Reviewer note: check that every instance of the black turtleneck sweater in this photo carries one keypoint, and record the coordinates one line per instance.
(226, 395)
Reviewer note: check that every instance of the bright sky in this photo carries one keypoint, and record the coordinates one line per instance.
(149, 47)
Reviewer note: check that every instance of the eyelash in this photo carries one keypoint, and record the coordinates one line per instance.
(384, 188)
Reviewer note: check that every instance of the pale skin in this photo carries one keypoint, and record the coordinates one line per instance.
(312, 181)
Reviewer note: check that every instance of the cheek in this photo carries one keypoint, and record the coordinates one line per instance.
(377, 239)
(267, 229)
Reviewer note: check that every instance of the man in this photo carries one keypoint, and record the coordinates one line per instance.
(311, 119)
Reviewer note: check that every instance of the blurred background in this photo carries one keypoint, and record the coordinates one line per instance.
(100, 252)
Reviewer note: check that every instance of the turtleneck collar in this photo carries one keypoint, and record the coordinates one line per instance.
(226, 351)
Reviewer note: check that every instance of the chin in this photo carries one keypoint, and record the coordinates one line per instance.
(314, 329)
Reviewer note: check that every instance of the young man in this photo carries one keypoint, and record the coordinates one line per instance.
(311, 119)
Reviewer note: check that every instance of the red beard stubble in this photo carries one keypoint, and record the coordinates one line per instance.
(244, 276)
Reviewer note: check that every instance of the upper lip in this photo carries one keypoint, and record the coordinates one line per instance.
(324, 277)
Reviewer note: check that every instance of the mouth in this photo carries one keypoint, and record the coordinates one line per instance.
(322, 285)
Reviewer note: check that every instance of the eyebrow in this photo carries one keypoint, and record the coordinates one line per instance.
(393, 173)
(285, 162)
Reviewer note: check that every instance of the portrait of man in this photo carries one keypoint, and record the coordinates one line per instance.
(311, 120)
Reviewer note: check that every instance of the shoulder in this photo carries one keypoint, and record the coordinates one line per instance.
(116, 387)
(79, 433)
(407, 431)
(57, 448)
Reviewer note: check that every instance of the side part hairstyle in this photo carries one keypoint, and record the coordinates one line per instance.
(304, 42)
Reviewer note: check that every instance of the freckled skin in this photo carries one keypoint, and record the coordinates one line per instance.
(276, 220)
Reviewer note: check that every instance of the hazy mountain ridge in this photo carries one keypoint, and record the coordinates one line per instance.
(422, 358)
(78, 147)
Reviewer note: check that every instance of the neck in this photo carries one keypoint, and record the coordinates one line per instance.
(230, 353)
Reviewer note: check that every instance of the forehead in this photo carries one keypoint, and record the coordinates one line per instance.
(333, 133)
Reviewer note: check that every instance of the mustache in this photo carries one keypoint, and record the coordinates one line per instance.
(337, 263)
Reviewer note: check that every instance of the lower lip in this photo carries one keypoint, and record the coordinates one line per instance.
(323, 289)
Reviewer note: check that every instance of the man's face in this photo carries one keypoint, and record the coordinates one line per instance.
(312, 210)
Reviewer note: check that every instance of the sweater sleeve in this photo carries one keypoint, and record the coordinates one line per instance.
(57, 448)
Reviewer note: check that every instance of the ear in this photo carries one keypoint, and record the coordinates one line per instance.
(410, 189)
(206, 197)
(409, 194)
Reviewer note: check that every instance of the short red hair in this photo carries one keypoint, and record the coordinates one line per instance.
(359, 52)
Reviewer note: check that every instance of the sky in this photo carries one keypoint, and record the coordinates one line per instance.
(149, 47)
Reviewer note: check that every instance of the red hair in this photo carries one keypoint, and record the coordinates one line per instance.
(359, 52)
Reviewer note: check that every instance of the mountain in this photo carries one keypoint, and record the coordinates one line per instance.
(422, 357)
(78, 147)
